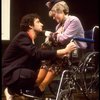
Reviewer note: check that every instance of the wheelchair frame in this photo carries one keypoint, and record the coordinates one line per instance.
(71, 80)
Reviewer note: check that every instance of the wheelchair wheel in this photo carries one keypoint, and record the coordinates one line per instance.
(65, 95)
(90, 72)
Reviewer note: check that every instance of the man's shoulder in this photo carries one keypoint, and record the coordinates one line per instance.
(21, 34)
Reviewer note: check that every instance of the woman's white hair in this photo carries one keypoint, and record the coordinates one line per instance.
(60, 6)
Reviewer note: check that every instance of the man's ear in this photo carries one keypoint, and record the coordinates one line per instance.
(30, 26)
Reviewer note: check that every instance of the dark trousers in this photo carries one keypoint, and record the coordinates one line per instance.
(25, 81)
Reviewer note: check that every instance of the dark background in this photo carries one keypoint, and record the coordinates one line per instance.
(85, 10)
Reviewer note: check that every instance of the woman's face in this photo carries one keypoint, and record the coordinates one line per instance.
(58, 16)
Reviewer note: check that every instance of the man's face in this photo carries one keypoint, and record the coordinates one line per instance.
(37, 25)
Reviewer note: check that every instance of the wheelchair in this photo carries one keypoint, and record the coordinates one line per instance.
(84, 78)
(81, 78)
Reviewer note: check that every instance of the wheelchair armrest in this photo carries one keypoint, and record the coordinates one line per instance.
(83, 39)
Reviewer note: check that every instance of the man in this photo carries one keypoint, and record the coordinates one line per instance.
(23, 58)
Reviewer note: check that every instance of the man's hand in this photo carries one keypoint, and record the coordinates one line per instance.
(70, 47)
(67, 50)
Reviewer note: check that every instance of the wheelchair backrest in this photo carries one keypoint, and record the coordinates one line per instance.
(89, 35)
(93, 35)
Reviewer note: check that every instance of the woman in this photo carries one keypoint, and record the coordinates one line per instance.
(68, 27)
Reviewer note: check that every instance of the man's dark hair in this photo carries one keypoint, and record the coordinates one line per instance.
(28, 20)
